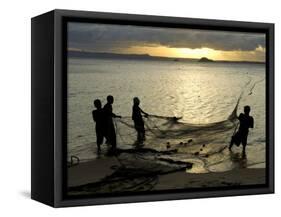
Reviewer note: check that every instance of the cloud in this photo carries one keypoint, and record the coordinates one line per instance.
(102, 37)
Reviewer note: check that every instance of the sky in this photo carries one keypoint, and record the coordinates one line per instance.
(167, 42)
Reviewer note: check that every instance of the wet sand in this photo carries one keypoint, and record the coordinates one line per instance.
(89, 173)
(234, 177)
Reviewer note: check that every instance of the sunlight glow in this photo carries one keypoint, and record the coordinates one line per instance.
(237, 55)
(196, 53)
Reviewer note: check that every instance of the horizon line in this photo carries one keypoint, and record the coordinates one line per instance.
(164, 57)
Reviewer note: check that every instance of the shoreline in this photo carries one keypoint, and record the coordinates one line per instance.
(236, 177)
(89, 177)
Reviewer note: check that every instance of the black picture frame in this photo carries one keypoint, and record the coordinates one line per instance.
(49, 89)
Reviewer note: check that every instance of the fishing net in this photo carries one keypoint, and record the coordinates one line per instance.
(171, 145)
(204, 145)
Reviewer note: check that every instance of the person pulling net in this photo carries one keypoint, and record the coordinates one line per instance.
(138, 120)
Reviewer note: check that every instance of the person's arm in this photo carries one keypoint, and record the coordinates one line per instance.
(116, 116)
(143, 112)
(252, 123)
(240, 117)
(133, 113)
(108, 110)
(94, 116)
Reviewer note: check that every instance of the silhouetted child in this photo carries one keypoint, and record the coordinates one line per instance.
(246, 121)
(98, 117)
(109, 126)
(138, 121)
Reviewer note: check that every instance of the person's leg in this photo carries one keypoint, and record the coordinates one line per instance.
(113, 139)
(231, 143)
(139, 136)
(99, 141)
(244, 143)
(143, 135)
(109, 134)
(99, 136)
(138, 129)
(106, 132)
(244, 151)
(142, 132)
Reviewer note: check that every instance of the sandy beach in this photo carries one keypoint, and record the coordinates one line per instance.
(235, 177)
(91, 177)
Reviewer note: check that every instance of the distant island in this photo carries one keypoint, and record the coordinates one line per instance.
(205, 60)
(103, 55)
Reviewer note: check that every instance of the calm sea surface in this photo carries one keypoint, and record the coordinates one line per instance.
(200, 93)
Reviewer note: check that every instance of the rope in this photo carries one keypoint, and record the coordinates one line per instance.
(251, 89)
(235, 129)
(71, 163)
(155, 126)
(121, 137)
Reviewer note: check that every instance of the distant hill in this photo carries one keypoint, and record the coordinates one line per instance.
(205, 60)
(100, 55)
(87, 54)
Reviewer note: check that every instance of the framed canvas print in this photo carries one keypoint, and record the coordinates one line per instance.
(130, 108)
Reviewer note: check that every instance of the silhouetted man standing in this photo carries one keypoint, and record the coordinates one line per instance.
(98, 117)
(110, 130)
(138, 120)
(246, 121)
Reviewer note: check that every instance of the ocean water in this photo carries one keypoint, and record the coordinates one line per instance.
(203, 94)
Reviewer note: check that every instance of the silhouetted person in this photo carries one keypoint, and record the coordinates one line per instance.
(246, 121)
(110, 130)
(98, 117)
(138, 121)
